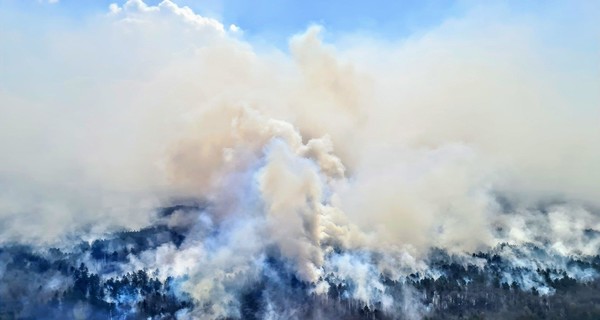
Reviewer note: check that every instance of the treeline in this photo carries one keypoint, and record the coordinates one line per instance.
(51, 284)
(55, 285)
(87, 296)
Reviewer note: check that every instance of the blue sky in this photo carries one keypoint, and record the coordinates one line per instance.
(278, 19)
(275, 21)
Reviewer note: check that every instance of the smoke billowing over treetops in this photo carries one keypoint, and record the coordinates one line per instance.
(160, 164)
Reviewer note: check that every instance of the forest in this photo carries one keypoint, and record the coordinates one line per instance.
(53, 283)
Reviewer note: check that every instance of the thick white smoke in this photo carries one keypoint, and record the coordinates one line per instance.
(373, 147)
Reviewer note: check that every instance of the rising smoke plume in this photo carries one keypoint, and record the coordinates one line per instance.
(346, 160)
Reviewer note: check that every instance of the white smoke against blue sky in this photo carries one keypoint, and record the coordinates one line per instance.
(113, 114)
(348, 154)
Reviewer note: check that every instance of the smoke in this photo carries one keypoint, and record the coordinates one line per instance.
(347, 160)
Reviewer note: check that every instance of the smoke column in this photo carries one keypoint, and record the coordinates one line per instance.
(342, 162)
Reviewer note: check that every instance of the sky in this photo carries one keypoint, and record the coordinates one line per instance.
(274, 21)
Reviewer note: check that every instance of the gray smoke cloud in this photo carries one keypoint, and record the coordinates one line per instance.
(380, 149)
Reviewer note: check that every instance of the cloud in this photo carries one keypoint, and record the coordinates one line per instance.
(137, 11)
